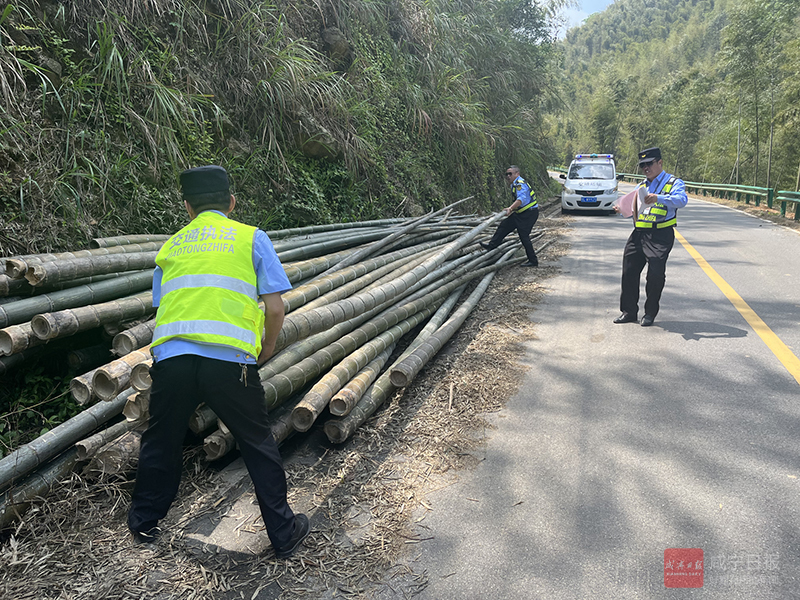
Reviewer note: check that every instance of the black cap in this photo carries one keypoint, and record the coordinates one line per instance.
(649, 155)
(204, 180)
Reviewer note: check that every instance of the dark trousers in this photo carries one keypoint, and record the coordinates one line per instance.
(650, 247)
(523, 222)
(179, 385)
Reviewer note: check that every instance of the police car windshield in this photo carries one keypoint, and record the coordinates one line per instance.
(590, 171)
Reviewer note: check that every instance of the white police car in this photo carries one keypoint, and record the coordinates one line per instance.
(590, 184)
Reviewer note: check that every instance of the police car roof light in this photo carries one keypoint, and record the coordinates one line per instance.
(594, 156)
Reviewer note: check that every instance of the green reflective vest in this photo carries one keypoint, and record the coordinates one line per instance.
(654, 216)
(209, 291)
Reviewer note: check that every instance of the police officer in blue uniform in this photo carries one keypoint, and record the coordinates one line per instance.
(209, 338)
(522, 216)
(652, 238)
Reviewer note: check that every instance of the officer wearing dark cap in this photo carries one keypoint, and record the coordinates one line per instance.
(652, 238)
(210, 336)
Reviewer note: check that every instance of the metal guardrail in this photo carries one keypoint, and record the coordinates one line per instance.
(722, 190)
(784, 197)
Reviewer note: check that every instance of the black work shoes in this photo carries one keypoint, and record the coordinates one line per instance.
(530, 264)
(301, 530)
(647, 320)
(146, 537)
(626, 318)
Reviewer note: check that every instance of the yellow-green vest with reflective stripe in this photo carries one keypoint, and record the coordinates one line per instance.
(655, 214)
(515, 187)
(209, 292)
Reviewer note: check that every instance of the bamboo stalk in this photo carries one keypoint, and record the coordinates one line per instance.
(23, 288)
(284, 233)
(313, 238)
(13, 286)
(385, 240)
(434, 281)
(15, 502)
(303, 294)
(286, 382)
(116, 457)
(17, 338)
(67, 322)
(131, 339)
(124, 240)
(312, 404)
(348, 396)
(50, 272)
(25, 459)
(404, 372)
(93, 293)
(221, 441)
(18, 266)
(300, 325)
(89, 447)
(83, 359)
(339, 430)
(368, 282)
(305, 269)
(109, 380)
(329, 246)
(9, 363)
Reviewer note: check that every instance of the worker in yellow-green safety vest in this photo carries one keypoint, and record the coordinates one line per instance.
(210, 336)
(652, 238)
(522, 215)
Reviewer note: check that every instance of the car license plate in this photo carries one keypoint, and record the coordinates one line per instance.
(589, 199)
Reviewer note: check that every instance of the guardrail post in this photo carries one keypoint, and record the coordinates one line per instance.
(770, 196)
(783, 208)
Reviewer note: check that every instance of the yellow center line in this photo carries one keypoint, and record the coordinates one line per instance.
(773, 342)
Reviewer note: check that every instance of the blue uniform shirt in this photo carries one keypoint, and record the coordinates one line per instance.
(522, 192)
(271, 278)
(673, 200)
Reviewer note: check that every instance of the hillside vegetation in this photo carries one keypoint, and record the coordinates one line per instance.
(712, 82)
(321, 111)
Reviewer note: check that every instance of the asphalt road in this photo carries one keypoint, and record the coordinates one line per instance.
(626, 441)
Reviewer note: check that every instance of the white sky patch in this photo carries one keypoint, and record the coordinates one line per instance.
(573, 17)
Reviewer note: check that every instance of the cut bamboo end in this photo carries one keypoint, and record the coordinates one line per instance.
(202, 420)
(137, 407)
(16, 338)
(36, 275)
(336, 432)
(303, 418)
(343, 402)
(16, 268)
(140, 376)
(123, 344)
(105, 386)
(218, 444)
(44, 326)
(81, 388)
(399, 378)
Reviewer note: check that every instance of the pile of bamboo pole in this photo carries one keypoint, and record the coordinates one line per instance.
(359, 291)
